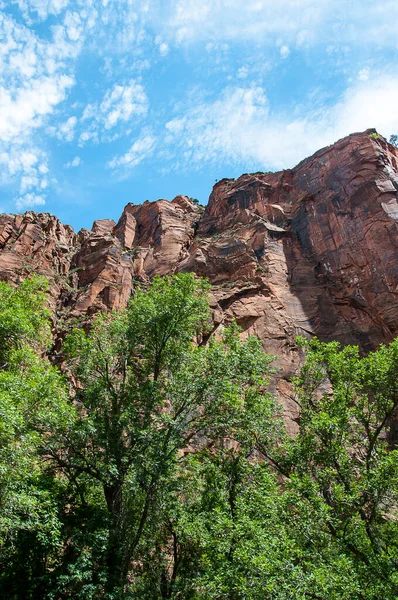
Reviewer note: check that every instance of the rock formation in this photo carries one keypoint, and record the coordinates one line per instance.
(311, 250)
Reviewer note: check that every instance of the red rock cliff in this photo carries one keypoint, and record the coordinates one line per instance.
(309, 250)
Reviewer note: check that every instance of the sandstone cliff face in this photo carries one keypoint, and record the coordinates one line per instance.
(311, 250)
(36, 243)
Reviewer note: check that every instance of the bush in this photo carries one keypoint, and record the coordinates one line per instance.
(393, 140)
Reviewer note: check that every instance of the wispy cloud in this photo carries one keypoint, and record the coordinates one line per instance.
(239, 127)
(226, 127)
(300, 22)
(29, 201)
(120, 104)
(40, 9)
(284, 51)
(24, 109)
(35, 78)
(141, 149)
(64, 131)
(72, 164)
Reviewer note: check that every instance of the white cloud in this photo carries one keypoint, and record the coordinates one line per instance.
(87, 136)
(35, 78)
(123, 24)
(163, 48)
(28, 166)
(226, 128)
(27, 182)
(368, 103)
(120, 104)
(242, 73)
(226, 20)
(29, 201)
(74, 26)
(65, 131)
(284, 51)
(23, 109)
(363, 74)
(298, 22)
(239, 127)
(41, 9)
(140, 150)
(73, 163)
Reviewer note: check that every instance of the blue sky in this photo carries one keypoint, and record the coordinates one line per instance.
(104, 102)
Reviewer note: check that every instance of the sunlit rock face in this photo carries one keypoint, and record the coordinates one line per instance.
(311, 250)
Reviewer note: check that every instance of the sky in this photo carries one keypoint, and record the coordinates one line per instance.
(105, 102)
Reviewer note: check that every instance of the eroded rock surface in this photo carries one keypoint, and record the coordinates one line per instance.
(311, 250)
(36, 243)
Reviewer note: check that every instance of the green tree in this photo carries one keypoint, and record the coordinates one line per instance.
(394, 140)
(198, 537)
(33, 401)
(164, 472)
(231, 538)
(146, 392)
(342, 477)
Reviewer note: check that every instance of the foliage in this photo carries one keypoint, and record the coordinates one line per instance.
(32, 402)
(146, 393)
(24, 317)
(374, 136)
(162, 469)
(394, 140)
(342, 475)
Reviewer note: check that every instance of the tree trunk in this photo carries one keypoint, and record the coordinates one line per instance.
(116, 577)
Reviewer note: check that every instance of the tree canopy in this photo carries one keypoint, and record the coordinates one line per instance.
(157, 465)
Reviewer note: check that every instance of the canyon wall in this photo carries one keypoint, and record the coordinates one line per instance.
(311, 250)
